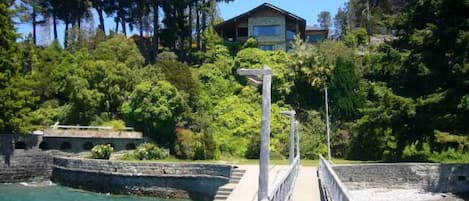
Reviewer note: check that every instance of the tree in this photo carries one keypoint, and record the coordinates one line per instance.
(417, 82)
(29, 11)
(340, 22)
(16, 96)
(154, 108)
(324, 20)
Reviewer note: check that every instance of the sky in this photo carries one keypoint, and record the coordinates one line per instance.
(307, 9)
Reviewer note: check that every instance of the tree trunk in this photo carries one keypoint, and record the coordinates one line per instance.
(66, 35)
(34, 24)
(116, 30)
(204, 23)
(54, 21)
(197, 25)
(190, 24)
(141, 26)
(140, 20)
(124, 29)
(155, 30)
(99, 10)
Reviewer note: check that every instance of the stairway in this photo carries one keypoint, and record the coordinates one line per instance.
(224, 191)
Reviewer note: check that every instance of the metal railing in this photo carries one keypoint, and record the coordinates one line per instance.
(283, 188)
(333, 188)
(89, 127)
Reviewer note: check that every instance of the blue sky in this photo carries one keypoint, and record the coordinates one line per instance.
(307, 9)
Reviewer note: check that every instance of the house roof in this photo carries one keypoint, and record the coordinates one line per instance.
(262, 6)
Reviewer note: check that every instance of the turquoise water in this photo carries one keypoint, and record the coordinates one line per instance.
(19, 192)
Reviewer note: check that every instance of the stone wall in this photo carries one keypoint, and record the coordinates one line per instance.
(195, 181)
(430, 177)
(25, 165)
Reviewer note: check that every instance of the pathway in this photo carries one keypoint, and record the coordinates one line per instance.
(306, 187)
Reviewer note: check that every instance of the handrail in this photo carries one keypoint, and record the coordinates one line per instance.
(284, 186)
(330, 182)
(89, 127)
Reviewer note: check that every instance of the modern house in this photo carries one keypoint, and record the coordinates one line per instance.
(273, 27)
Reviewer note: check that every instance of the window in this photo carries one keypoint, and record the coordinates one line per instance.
(266, 47)
(273, 30)
(316, 38)
(291, 34)
(242, 32)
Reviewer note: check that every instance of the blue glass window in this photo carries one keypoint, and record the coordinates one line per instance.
(316, 38)
(291, 35)
(266, 47)
(273, 30)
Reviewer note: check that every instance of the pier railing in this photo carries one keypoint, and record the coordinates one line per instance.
(283, 188)
(332, 187)
(89, 127)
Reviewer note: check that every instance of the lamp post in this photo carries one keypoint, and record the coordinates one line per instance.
(291, 114)
(297, 125)
(266, 74)
(328, 129)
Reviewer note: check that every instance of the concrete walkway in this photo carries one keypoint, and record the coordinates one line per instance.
(306, 187)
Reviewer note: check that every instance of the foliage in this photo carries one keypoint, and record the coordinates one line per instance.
(346, 96)
(101, 151)
(185, 144)
(356, 37)
(324, 19)
(17, 98)
(154, 109)
(178, 74)
(147, 151)
(251, 42)
(312, 131)
(278, 61)
(115, 124)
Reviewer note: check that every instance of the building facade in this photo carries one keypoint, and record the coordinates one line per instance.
(273, 27)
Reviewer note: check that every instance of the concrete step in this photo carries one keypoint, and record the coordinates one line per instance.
(221, 197)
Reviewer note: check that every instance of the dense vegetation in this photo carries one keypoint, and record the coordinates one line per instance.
(406, 99)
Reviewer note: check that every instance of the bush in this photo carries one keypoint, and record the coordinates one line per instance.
(149, 151)
(117, 125)
(185, 144)
(101, 151)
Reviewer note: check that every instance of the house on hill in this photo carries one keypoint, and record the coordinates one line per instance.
(273, 27)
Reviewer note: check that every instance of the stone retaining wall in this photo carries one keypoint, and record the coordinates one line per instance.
(25, 165)
(194, 181)
(430, 177)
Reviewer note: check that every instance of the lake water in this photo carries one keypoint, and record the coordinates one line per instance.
(51, 192)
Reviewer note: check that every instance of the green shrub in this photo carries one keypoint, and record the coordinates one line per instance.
(185, 144)
(117, 125)
(101, 151)
(205, 147)
(149, 151)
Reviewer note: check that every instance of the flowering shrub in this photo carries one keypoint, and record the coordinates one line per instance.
(101, 151)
